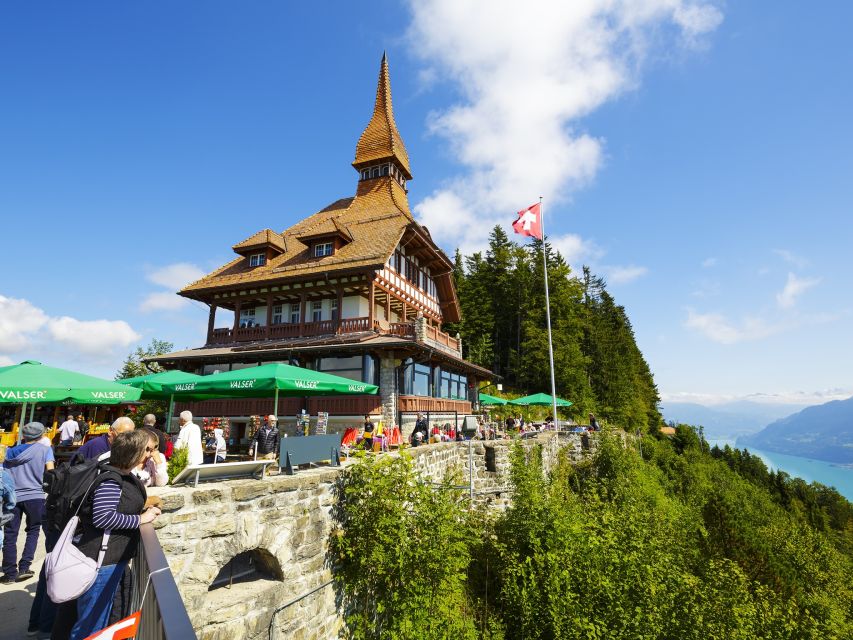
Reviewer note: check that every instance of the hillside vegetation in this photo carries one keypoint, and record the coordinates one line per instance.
(677, 542)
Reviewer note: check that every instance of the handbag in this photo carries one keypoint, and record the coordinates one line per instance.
(68, 571)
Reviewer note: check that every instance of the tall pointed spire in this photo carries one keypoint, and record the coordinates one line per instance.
(380, 140)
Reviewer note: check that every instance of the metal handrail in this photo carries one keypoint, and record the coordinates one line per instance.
(164, 616)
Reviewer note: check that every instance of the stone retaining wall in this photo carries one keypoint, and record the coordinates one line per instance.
(285, 521)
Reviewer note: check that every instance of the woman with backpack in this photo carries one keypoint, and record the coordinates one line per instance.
(111, 514)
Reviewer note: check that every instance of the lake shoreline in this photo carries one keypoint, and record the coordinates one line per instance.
(831, 474)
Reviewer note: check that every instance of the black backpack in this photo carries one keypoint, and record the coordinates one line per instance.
(66, 485)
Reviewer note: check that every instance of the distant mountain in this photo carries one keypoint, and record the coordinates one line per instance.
(823, 432)
(729, 420)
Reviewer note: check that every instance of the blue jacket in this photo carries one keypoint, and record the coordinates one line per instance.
(7, 493)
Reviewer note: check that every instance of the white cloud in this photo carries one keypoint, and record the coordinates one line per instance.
(526, 75)
(19, 321)
(27, 328)
(624, 275)
(792, 258)
(707, 263)
(173, 277)
(720, 329)
(779, 397)
(575, 250)
(6, 361)
(162, 301)
(794, 288)
(92, 337)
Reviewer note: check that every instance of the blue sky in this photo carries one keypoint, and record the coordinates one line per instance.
(696, 153)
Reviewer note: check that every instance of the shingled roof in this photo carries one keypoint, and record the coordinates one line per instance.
(380, 140)
(263, 238)
(375, 220)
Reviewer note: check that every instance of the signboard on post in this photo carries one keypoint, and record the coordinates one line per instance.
(322, 422)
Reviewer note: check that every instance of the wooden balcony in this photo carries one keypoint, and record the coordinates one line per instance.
(442, 338)
(287, 331)
(423, 404)
(309, 329)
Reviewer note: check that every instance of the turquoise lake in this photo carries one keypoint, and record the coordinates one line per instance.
(828, 473)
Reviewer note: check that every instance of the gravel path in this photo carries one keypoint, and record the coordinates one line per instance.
(17, 598)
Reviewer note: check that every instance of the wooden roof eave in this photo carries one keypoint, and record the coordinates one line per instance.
(205, 294)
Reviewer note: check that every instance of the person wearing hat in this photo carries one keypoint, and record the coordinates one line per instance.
(26, 463)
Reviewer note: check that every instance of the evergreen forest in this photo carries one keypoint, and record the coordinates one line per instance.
(597, 363)
(647, 538)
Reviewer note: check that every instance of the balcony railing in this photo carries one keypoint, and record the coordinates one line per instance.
(442, 338)
(164, 616)
(329, 327)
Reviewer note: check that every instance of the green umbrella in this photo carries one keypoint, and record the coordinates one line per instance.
(270, 379)
(540, 399)
(152, 388)
(152, 384)
(491, 400)
(34, 383)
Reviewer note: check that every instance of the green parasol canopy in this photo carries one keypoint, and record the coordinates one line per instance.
(152, 384)
(262, 381)
(32, 381)
(540, 399)
(491, 400)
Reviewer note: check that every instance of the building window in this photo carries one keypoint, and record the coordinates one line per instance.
(333, 310)
(365, 175)
(415, 379)
(374, 173)
(277, 314)
(294, 314)
(316, 311)
(385, 170)
(257, 260)
(247, 317)
(360, 368)
(323, 249)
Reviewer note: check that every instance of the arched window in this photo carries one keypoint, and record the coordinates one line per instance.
(374, 173)
(385, 170)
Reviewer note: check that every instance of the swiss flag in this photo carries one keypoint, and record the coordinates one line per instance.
(529, 221)
(122, 630)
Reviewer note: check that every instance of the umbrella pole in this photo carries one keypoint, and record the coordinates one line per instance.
(22, 421)
(168, 424)
(275, 408)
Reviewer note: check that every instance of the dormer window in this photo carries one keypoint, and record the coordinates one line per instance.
(257, 260)
(323, 249)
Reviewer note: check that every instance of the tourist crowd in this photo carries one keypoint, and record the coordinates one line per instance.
(120, 464)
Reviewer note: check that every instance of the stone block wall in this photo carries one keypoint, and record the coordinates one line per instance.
(286, 522)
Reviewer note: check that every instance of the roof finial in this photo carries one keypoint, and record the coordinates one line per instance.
(381, 140)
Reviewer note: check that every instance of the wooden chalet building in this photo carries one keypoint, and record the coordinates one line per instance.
(358, 289)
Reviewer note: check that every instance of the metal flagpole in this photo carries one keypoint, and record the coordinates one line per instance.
(548, 318)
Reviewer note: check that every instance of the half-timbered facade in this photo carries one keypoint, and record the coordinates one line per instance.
(358, 289)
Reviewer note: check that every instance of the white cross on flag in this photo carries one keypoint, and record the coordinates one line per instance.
(529, 221)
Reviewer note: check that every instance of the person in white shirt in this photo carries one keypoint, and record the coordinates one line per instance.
(221, 447)
(190, 437)
(67, 431)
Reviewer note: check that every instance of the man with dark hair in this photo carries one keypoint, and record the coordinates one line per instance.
(367, 435)
(26, 464)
